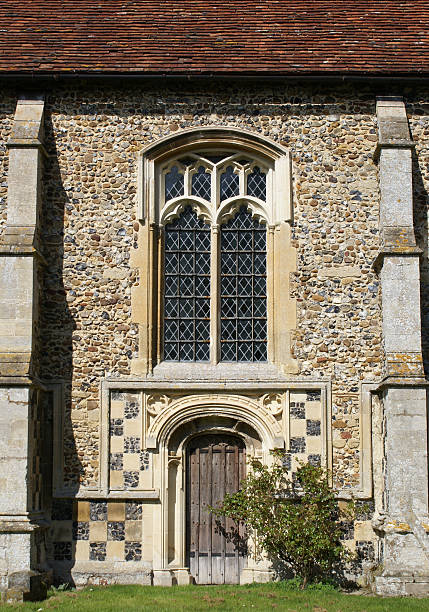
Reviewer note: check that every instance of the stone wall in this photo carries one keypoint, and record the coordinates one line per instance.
(93, 138)
(7, 109)
(90, 229)
(103, 538)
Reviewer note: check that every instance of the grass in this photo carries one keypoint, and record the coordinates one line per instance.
(272, 596)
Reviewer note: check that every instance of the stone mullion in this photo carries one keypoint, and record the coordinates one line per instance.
(405, 563)
(215, 296)
(153, 295)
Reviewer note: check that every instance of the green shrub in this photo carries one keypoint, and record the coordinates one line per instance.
(295, 520)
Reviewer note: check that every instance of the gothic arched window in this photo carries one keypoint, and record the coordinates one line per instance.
(213, 205)
(214, 288)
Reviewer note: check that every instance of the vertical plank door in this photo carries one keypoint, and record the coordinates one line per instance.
(216, 546)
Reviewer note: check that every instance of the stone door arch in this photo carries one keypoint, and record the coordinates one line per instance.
(169, 433)
(174, 564)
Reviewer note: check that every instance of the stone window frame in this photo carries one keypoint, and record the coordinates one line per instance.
(147, 299)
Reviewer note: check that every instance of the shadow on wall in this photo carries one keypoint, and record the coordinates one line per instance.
(421, 205)
(80, 529)
(421, 211)
(56, 360)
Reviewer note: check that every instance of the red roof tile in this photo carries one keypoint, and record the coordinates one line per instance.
(213, 37)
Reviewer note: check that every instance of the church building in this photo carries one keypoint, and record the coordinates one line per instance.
(213, 244)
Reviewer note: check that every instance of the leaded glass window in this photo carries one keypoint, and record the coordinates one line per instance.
(232, 175)
(257, 184)
(243, 308)
(187, 289)
(174, 184)
(199, 324)
(201, 183)
(229, 184)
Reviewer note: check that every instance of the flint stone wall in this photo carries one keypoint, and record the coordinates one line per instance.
(7, 110)
(90, 228)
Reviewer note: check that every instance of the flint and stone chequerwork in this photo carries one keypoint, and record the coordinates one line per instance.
(96, 426)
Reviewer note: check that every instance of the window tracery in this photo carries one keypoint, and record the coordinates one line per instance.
(226, 185)
(214, 182)
(218, 178)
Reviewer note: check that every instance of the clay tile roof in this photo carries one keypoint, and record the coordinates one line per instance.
(284, 37)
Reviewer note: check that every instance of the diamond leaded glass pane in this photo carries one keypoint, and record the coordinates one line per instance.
(201, 183)
(243, 289)
(229, 184)
(174, 184)
(257, 184)
(187, 289)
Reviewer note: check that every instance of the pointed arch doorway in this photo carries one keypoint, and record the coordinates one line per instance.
(216, 547)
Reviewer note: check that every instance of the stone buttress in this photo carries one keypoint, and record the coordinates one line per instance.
(21, 519)
(404, 522)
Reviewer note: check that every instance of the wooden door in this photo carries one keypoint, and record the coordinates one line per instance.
(216, 547)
